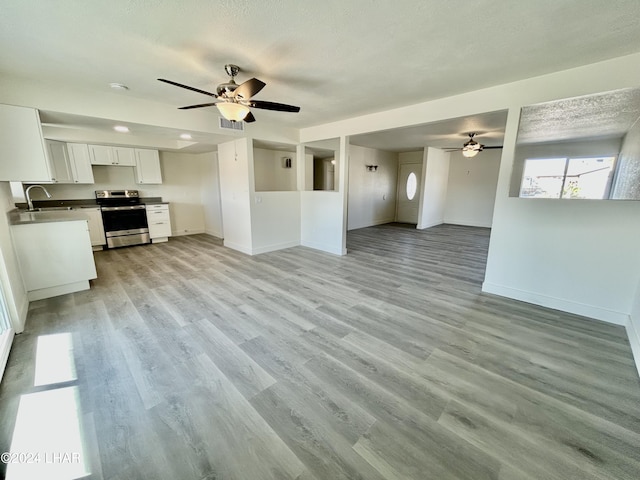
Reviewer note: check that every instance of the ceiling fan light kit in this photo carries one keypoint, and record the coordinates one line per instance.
(235, 100)
(471, 148)
(234, 112)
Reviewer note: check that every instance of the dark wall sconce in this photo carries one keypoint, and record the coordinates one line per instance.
(286, 162)
(372, 168)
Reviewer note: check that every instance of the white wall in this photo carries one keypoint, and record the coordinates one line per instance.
(579, 256)
(182, 177)
(522, 223)
(471, 189)
(323, 214)
(627, 183)
(633, 327)
(10, 278)
(211, 196)
(270, 174)
(372, 195)
(275, 221)
(234, 159)
(321, 222)
(433, 195)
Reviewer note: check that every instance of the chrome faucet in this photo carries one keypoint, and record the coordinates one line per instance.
(29, 201)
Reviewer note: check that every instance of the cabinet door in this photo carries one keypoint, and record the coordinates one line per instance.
(148, 167)
(59, 161)
(23, 156)
(101, 155)
(159, 230)
(80, 162)
(96, 227)
(65, 257)
(124, 156)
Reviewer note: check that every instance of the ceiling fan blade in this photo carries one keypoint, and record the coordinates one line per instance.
(197, 106)
(193, 89)
(280, 107)
(249, 88)
(486, 148)
(249, 118)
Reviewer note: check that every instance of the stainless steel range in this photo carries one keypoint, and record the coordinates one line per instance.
(124, 217)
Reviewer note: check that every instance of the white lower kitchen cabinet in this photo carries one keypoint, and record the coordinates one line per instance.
(96, 227)
(159, 222)
(55, 258)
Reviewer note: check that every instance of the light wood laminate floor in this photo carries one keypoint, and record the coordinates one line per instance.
(194, 361)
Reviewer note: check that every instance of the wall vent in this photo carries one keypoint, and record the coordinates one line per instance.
(229, 125)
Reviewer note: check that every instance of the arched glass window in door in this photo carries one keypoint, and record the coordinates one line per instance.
(412, 185)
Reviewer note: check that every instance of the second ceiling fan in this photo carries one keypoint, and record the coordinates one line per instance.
(234, 101)
(471, 148)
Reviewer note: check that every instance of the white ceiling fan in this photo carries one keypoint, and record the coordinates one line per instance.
(471, 148)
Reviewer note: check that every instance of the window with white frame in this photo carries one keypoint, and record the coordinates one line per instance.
(582, 178)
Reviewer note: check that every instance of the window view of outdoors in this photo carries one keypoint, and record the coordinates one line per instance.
(587, 178)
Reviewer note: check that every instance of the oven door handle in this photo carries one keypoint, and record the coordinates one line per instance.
(127, 207)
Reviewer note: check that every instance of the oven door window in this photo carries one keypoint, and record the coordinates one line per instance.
(119, 220)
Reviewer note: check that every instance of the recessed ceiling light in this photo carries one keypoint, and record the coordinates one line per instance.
(185, 136)
(118, 86)
(121, 129)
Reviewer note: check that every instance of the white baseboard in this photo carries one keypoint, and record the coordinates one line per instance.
(34, 295)
(187, 232)
(214, 233)
(325, 248)
(274, 247)
(591, 311)
(374, 223)
(465, 223)
(238, 247)
(422, 227)
(633, 332)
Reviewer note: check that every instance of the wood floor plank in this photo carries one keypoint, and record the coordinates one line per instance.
(195, 361)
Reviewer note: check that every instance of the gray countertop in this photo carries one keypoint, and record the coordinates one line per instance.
(24, 217)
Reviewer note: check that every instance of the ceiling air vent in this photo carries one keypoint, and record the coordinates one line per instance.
(229, 125)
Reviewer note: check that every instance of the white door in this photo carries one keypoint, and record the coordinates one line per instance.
(408, 192)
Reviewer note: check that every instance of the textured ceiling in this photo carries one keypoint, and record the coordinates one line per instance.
(336, 59)
(609, 114)
(452, 133)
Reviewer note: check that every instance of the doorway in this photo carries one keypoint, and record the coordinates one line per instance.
(408, 201)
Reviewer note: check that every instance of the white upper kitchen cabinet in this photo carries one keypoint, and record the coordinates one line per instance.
(80, 163)
(148, 167)
(23, 154)
(59, 161)
(124, 156)
(101, 155)
(108, 155)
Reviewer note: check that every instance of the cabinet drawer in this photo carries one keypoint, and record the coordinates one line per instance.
(158, 206)
(157, 216)
(161, 229)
